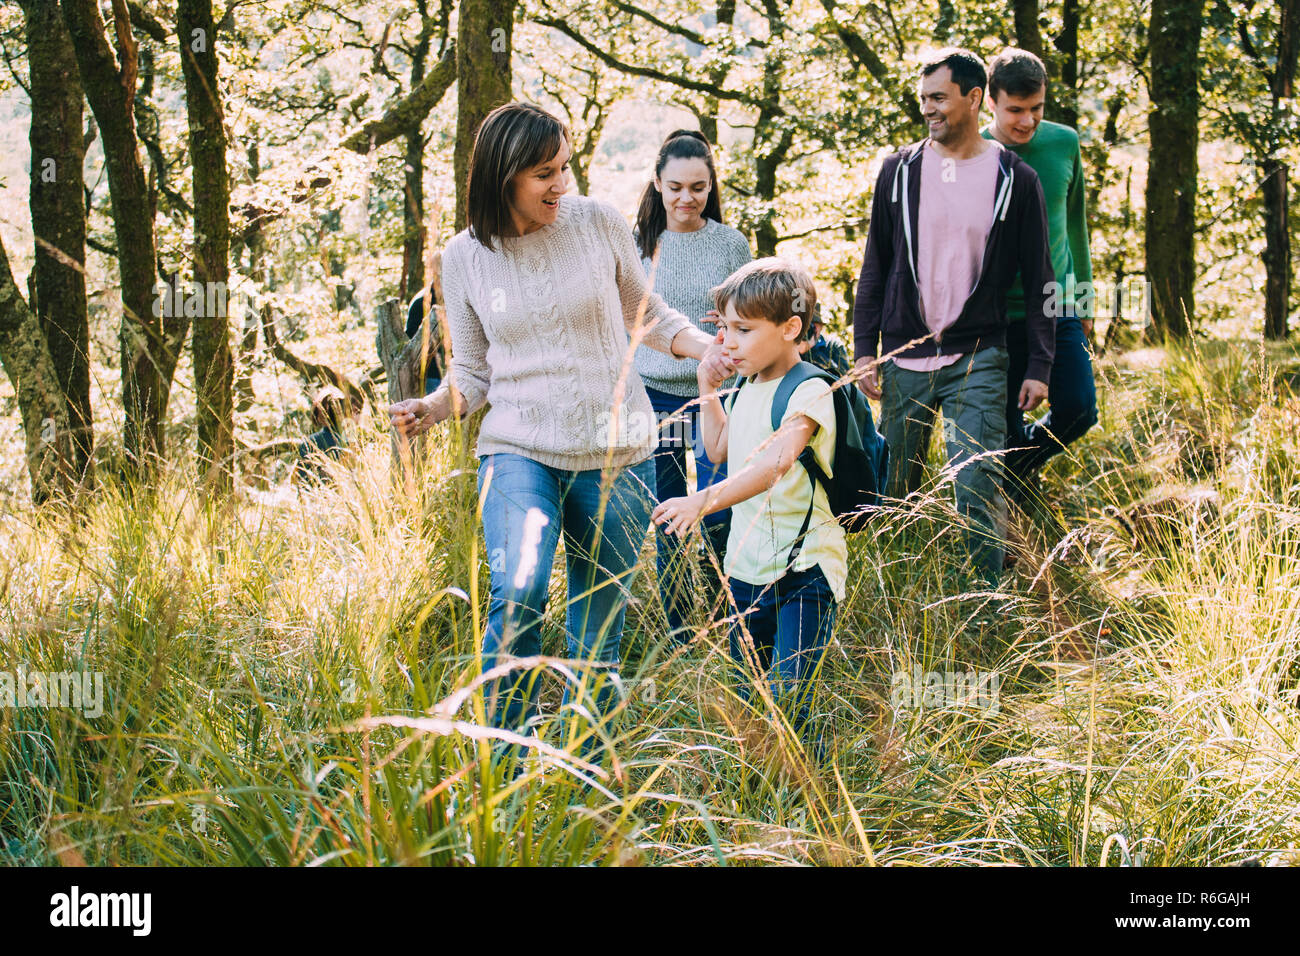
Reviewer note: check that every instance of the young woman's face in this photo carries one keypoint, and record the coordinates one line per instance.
(685, 184)
(536, 191)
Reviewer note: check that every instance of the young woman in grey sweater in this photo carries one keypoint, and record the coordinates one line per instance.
(687, 251)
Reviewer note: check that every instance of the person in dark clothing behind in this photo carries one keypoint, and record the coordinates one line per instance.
(823, 349)
(419, 307)
(330, 411)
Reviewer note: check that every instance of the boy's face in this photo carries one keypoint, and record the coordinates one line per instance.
(755, 345)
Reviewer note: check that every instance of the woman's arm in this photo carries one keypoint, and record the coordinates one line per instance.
(649, 319)
(465, 389)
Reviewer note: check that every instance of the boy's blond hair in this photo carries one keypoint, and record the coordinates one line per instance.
(773, 289)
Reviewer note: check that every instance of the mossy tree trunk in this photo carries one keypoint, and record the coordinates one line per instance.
(58, 209)
(210, 335)
(27, 361)
(484, 42)
(147, 349)
(1175, 38)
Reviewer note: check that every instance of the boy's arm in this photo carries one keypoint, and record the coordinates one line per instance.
(766, 469)
(713, 425)
(679, 515)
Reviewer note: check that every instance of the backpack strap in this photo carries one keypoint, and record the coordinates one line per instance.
(797, 375)
(730, 402)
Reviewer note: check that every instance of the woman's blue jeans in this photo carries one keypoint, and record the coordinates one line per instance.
(527, 507)
(679, 435)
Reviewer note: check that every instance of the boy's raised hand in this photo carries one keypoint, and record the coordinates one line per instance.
(715, 367)
(679, 515)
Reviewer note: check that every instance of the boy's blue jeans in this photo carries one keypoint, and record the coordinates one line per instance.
(789, 624)
(604, 527)
(679, 434)
(1071, 393)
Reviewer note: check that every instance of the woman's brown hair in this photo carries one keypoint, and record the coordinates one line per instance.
(514, 137)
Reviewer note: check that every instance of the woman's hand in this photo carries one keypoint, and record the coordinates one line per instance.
(411, 417)
(680, 515)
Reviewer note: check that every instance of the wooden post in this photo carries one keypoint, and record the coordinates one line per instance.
(405, 361)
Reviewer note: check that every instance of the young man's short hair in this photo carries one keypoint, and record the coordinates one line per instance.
(773, 289)
(1016, 73)
(967, 69)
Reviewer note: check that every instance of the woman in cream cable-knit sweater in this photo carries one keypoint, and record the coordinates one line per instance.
(545, 298)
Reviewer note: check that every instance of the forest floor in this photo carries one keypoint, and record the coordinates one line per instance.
(280, 674)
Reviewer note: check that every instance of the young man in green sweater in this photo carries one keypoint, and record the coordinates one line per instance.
(1017, 90)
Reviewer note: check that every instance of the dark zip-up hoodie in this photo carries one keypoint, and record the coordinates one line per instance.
(887, 310)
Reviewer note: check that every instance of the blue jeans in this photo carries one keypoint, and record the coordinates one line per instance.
(790, 622)
(679, 430)
(604, 527)
(1072, 395)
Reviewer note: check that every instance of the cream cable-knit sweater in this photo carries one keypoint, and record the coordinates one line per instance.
(540, 331)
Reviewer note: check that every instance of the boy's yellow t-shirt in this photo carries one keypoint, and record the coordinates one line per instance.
(764, 527)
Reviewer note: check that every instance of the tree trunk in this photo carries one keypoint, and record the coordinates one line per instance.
(1029, 37)
(405, 361)
(768, 162)
(59, 216)
(1277, 249)
(144, 338)
(251, 239)
(413, 172)
(725, 17)
(1175, 37)
(26, 359)
(413, 216)
(213, 365)
(1065, 98)
(1277, 234)
(483, 46)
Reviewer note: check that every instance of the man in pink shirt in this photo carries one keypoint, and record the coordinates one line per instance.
(954, 219)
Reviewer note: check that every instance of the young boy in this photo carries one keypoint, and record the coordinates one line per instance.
(785, 595)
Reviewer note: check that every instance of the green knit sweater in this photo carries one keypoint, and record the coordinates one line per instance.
(1054, 154)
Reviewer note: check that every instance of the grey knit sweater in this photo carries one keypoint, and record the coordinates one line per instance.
(540, 331)
(690, 265)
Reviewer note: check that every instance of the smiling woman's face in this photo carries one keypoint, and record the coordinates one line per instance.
(535, 192)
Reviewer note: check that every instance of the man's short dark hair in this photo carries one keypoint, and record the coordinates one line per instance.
(1016, 73)
(967, 69)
